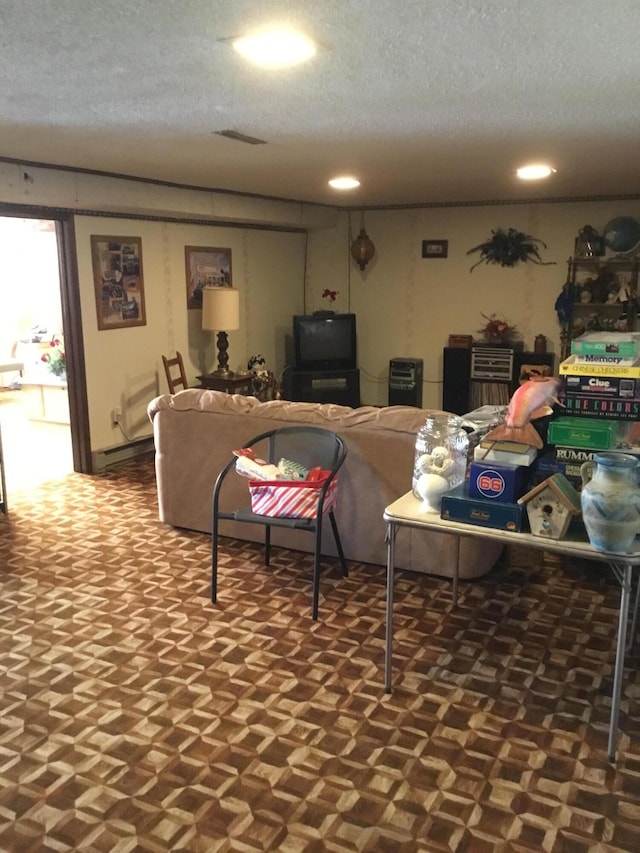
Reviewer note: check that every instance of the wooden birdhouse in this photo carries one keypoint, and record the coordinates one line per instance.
(550, 506)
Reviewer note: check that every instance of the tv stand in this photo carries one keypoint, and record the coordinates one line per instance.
(322, 386)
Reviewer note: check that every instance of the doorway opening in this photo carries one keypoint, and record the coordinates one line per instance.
(34, 400)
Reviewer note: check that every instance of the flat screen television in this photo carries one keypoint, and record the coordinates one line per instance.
(324, 341)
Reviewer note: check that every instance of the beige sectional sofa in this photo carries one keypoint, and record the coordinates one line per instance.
(195, 432)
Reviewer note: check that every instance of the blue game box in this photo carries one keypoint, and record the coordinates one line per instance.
(498, 483)
(457, 505)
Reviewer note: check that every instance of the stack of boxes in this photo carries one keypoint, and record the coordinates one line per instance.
(601, 398)
(499, 474)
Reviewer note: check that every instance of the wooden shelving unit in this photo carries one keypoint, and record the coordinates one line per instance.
(605, 293)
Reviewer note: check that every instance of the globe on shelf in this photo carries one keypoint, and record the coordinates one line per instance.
(622, 234)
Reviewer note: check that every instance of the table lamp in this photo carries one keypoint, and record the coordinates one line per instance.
(221, 312)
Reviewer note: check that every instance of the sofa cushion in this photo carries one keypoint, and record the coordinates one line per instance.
(405, 419)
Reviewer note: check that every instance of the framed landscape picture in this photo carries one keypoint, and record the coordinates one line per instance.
(205, 268)
(118, 281)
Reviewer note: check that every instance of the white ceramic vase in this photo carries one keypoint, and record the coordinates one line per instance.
(610, 501)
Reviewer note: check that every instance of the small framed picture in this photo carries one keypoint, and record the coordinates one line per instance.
(205, 268)
(435, 248)
(118, 281)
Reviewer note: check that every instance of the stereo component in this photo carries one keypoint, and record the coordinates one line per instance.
(405, 382)
(492, 363)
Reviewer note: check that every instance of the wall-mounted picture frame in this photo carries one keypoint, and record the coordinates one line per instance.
(118, 281)
(435, 248)
(205, 267)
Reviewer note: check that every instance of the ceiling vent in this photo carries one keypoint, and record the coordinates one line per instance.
(240, 137)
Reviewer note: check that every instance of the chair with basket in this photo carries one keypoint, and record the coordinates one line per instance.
(299, 504)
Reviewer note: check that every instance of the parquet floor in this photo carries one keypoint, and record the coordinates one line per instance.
(137, 716)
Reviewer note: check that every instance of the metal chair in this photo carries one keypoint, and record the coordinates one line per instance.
(174, 370)
(309, 446)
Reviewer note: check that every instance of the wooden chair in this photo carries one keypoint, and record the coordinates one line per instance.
(174, 369)
(309, 446)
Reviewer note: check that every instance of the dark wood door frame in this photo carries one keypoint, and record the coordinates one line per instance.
(71, 326)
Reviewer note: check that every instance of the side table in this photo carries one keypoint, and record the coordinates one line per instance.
(233, 383)
(405, 512)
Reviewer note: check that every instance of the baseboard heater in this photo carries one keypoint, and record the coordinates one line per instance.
(102, 459)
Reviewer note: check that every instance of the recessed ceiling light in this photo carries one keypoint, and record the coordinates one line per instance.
(534, 172)
(275, 49)
(344, 183)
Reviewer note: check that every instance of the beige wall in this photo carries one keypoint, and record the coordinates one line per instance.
(408, 306)
(405, 305)
(124, 366)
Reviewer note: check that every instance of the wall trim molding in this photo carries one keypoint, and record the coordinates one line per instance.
(499, 202)
(77, 170)
(58, 212)
(339, 208)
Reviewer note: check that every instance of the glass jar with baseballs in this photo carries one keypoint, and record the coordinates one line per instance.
(440, 461)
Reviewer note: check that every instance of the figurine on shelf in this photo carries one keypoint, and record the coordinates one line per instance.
(263, 383)
(589, 243)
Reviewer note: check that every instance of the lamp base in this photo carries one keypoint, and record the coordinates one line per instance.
(223, 358)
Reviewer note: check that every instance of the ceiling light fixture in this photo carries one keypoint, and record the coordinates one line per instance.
(534, 172)
(275, 49)
(344, 183)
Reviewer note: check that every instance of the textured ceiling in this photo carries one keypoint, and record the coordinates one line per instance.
(424, 100)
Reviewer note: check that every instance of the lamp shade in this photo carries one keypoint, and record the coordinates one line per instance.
(220, 308)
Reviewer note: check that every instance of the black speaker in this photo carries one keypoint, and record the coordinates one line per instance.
(525, 359)
(405, 382)
(456, 382)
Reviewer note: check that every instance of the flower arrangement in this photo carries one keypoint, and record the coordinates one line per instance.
(496, 329)
(55, 358)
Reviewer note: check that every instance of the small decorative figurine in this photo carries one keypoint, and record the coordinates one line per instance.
(589, 243)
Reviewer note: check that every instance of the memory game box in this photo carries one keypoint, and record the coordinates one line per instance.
(458, 506)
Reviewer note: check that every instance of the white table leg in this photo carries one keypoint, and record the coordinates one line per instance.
(391, 558)
(631, 639)
(624, 574)
(456, 571)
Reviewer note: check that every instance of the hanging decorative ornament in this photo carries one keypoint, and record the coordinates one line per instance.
(362, 249)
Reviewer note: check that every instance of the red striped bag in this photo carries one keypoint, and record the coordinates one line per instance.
(291, 498)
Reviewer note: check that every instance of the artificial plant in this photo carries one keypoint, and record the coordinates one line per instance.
(508, 247)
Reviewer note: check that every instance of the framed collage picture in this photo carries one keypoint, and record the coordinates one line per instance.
(118, 281)
(205, 268)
